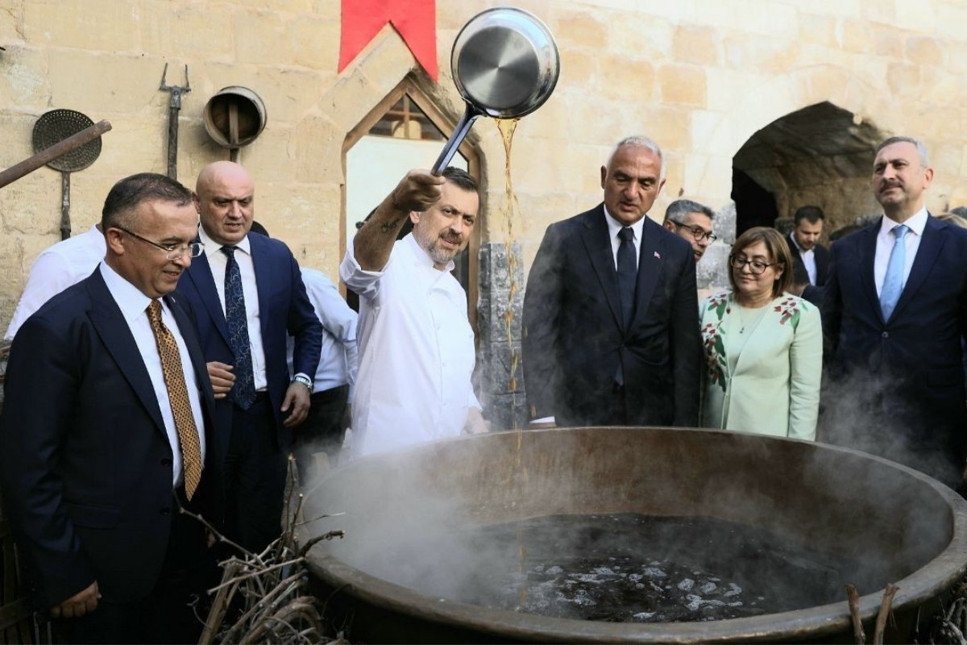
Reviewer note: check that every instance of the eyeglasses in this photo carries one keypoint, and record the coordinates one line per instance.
(173, 251)
(757, 267)
(697, 232)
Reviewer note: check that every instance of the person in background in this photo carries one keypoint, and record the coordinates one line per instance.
(763, 345)
(810, 258)
(416, 346)
(56, 268)
(247, 292)
(894, 317)
(106, 432)
(610, 319)
(325, 427)
(693, 222)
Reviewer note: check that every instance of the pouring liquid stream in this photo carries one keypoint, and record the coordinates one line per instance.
(507, 128)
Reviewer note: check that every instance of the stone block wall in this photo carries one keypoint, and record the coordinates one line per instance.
(700, 77)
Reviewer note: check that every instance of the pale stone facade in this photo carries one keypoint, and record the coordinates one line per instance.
(717, 84)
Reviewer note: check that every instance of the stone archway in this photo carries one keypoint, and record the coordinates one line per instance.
(819, 155)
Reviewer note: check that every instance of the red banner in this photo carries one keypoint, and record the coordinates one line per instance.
(413, 20)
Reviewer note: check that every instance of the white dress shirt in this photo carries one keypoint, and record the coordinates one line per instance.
(416, 352)
(218, 261)
(338, 360)
(56, 268)
(884, 246)
(614, 226)
(134, 305)
(808, 259)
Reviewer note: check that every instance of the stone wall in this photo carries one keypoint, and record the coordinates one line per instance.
(701, 77)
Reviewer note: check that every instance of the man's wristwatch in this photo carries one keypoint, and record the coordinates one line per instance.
(305, 380)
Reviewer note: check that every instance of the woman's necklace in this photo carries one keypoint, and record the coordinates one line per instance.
(749, 318)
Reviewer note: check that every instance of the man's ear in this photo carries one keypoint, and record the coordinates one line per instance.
(112, 238)
(415, 217)
(669, 225)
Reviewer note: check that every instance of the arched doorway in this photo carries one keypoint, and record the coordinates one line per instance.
(405, 130)
(820, 155)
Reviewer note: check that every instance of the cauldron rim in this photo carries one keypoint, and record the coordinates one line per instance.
(948, 566)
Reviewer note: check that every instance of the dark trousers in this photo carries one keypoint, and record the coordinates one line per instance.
(323, 430)
(168, 613)
(255, 472)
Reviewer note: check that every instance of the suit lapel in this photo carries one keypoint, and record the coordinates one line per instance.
(117, 338)
(200, 274)
(866, 246)
(185, 326)
(262, 268)
(597, 243)
(930, 248)
(649, 267)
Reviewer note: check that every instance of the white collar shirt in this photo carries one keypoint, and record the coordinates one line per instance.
(133, 305)
(884, 245)
(808, 258)
(614, 226)
(56, 268)
(338, 358)
(416, 352)
(246, 268)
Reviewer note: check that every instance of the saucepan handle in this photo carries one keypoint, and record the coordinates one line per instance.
(459, 134)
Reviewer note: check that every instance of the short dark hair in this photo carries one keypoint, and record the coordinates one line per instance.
(129, 193)
(959, 210)
(775, 243)
(811, 214)
(461, 178)
(681, 207)
(258, 228)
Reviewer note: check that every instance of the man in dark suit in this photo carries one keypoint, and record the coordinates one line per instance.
(248, 294)
(102, 436)
(894, 315)
(610, 313)
(810, 259)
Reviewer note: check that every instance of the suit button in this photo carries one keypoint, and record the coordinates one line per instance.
(166, 510)
(885, 334)
(165, 462)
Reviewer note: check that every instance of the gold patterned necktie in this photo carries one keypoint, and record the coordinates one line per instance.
(178, 397)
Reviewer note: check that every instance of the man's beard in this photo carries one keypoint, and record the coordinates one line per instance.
(438, 254)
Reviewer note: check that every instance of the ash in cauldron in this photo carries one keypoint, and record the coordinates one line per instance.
(633, 535)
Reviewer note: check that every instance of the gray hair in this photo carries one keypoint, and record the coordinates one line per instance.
(639, 141)
(681, 207)
(921, 149)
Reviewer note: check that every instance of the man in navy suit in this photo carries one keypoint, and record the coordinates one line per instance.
(599, 353)
(810, 259)
(93, 464)
(896, 384)
(243, 324)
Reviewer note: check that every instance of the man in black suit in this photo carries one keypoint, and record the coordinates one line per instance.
(810, 259)
(102, 436)
(610, 313)
(894, 315)
(243, 323)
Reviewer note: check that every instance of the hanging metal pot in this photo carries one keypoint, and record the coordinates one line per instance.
(505, 65)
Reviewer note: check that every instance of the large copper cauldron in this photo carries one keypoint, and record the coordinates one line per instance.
(902, 526)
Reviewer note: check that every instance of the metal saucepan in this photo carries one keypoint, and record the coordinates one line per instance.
(505, 65)
(53, 127)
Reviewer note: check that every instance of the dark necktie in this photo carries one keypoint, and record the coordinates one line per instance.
(174, 376)
(243, 392)
(627, 274)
